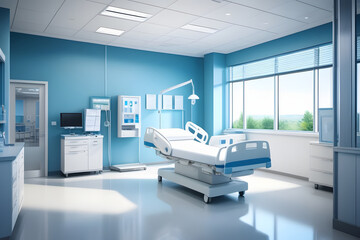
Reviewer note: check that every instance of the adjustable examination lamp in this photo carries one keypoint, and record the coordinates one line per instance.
(193, 97)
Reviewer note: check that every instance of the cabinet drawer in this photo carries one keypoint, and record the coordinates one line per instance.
(76, 142)
(321, 178)
(321, 164)
(76, 148)
(321, 151)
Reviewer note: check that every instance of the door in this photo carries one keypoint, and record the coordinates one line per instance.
(28, 124)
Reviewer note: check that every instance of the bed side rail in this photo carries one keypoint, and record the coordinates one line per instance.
(154, 139)
(199, 134)
(226, 140)
(247, 153)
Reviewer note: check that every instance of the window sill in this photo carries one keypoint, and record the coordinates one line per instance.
(272, 132)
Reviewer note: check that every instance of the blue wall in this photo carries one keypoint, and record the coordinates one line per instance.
(301, 40)
(75, 71)
(215, 94)
(5, 47)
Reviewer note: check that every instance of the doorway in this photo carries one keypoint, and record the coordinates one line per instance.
(29, 124)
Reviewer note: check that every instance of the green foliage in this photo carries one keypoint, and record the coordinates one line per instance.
(251, 123)
(239, 123)
(307, 122)
(267, 123)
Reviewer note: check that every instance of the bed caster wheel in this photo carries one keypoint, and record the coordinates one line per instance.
(159, 178)
(66, 175)
(316, 186)
(242, 193)
(207, 199)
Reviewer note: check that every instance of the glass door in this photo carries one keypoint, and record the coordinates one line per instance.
(27, 124)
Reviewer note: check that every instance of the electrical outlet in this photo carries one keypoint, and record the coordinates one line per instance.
(53, 123)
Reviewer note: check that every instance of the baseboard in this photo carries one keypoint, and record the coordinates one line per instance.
(283, 174)
(55, 173)
(347, 228)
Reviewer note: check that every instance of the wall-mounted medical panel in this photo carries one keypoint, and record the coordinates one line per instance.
(102, 103)
(129, 116)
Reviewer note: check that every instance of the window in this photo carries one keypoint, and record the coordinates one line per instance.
(326, 88)
(237, 107)
(282, 92)
(259, 103)
(296, 101)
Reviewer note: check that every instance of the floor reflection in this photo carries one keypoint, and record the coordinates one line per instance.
(135, 206)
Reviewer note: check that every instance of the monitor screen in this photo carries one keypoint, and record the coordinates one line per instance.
(71, 120)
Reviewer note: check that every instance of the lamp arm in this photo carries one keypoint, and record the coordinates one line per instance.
(193, 88)
(178, 86)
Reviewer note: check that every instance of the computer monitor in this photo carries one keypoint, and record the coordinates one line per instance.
(71, 120)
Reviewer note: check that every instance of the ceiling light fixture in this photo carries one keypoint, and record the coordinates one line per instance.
(125, 14)
(306, 17)
(109, 31)
(199, 28)
(227, 14)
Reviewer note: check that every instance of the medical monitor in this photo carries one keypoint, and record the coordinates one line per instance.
(71, 120)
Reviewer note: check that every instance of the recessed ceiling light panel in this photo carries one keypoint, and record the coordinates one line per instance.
(126, 14)
(199, 28)
(109, 31)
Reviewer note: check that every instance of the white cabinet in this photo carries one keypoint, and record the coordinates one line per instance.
(321, 164)
(12, 187)
(95, 153)
(81, 153)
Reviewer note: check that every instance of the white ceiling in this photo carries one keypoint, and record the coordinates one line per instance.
(250, 22)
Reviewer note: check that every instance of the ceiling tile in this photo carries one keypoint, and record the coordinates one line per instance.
(268, 22)
(261, 4)
(205, 22)
(98, 37)
(323, 4)
(171, 18)
(25, 18)
(75, 14)
(158, 3)
(110, 22)
(135, 6)
(131, 35)
(34, 28)
(48, 6)
(231, 13)
(188, 34)
(176, 41)
(60, 31)
(198, 7)
(300, 11)
(107, 2)
(153, 28)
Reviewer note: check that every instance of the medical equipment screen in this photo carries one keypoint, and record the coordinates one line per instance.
(71, 120)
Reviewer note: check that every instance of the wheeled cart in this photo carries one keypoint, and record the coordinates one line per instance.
(209, 190)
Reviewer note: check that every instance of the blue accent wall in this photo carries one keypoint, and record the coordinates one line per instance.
(5, 71)
(301, 40)
(76, 71)
(215, 85)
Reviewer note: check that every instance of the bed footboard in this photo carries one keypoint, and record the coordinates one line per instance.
(247, 155)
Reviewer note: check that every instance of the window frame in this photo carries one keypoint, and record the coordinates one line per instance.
(276, 77)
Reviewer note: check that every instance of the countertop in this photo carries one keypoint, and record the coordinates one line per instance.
(9, 153)
(325, 144)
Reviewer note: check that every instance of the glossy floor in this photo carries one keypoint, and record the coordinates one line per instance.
(134, 205)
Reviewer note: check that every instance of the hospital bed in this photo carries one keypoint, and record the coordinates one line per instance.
(208, 169)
